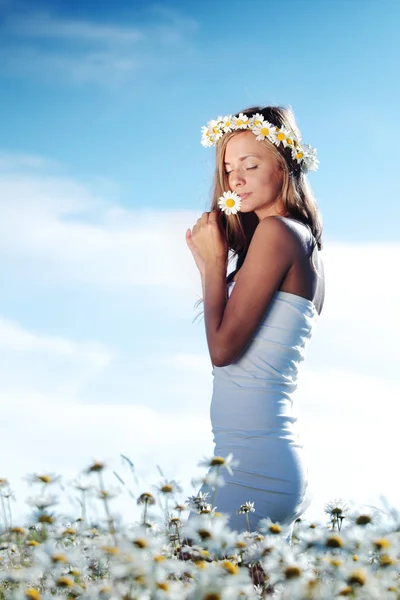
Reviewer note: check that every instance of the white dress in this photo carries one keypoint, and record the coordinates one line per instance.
(252, 418)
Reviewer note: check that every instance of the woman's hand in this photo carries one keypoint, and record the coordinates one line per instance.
(207, 241)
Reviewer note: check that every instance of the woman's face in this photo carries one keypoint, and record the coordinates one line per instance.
(253, 172)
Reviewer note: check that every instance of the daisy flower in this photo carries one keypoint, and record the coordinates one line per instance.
(246, 508)
(230, 203)
(291, 140)
(211, 133)
(265, 131)
(219, 461)
(256, 120)
(226, 123)
(281, 135)
(241, 122)
(310, 158)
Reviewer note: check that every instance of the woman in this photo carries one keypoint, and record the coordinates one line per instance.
(259, 320)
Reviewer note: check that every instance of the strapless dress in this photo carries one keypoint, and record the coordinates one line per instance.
(252, 418)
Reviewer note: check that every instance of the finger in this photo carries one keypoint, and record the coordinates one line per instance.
(189, 240)
(204, 217)
(213, 217)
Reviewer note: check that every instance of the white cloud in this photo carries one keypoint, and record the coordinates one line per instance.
(90, 51)
(41, 24)
(14, 338)
(143, 387)
(71, 234)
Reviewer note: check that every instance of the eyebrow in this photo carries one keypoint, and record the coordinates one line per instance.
(245, 156)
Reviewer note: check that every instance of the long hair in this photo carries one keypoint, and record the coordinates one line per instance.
(297, 196)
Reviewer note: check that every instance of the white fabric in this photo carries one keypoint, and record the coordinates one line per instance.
(252, 417)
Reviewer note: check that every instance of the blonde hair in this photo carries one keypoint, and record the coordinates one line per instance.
(297, 196)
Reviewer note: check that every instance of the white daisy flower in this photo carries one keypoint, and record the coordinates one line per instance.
(265, 131)
(246, 508)
(310, 158)
(206, 140)
(212, 480)
(256, 120)
(220, 461)
(212, 133)
(225, 123)
(230, 203)
(241, 122)
(281, 135)
(291, 140)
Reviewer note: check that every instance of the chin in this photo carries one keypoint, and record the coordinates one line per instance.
(246, 209)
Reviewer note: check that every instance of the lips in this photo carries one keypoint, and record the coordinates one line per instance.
(243, 196)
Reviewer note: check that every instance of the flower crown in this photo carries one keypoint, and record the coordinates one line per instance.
(306, 156)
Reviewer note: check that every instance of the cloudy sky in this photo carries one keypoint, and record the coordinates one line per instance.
(101, 173)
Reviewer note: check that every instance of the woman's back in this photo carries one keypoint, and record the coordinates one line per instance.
(306, 277)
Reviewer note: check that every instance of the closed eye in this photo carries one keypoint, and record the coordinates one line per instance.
(247, 169)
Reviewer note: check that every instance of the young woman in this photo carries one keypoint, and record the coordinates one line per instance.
(259, 320)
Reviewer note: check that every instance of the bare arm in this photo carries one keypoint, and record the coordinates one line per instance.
(230, 325)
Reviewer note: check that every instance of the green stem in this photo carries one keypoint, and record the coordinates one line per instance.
(248, 522)
(3, 509)
(110, 520)
(145, 513)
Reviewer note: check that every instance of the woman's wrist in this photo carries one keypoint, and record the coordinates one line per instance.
(219, 263)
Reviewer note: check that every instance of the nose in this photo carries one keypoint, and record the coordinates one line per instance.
(237, 178)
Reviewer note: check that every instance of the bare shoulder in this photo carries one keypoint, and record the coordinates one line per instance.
(276, 232)
(296, 231)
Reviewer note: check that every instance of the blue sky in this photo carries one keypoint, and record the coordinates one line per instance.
(102, 171)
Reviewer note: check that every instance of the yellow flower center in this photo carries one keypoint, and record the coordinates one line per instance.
(289, 141)
(230, 567)
(275, 529)
(20, 530)
(239, 122)
(265, 131)
(56, 558)
(357, 577)
(46, 519)
(44, 478)
(32, 594)
(162, 585)
(230, 203)
(281, 136)
(65, 582)
(217, 461)
(292, 572)
(386, 561)
(113, 550)
(159, 558)
(336, 562)
(363, 520)
(257, 123)
(204, 534)
(334, 541)
(299, 155)
(381, 543)
(346, 591)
